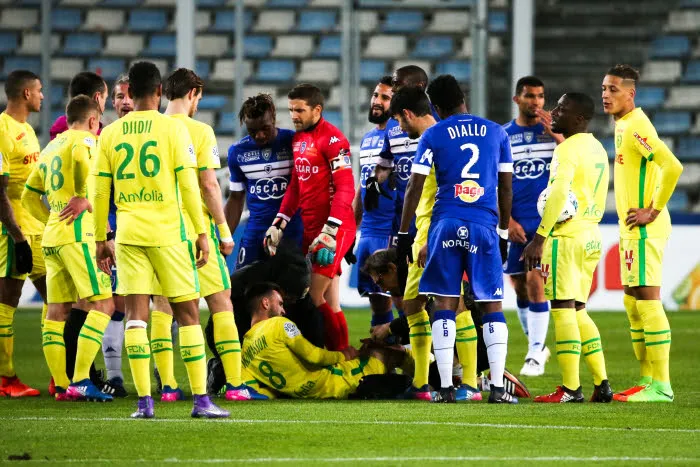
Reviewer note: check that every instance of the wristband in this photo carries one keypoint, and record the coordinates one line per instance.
(224, 233)
(503, 233)
(111, 235)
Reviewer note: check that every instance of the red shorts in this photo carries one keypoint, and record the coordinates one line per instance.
(343, 242)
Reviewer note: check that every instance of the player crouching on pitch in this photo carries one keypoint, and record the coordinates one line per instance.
(281, 359)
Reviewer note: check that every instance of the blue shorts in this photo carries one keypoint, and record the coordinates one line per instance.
(513, 263)
(369, 244)
(251, 248)
(455, 247)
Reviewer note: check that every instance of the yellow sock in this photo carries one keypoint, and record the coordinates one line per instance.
(568, 340)
(228, 346)
(139, 352)
(192, 351)
(44, 310)
(657, 336)
(637, 335)
(466, 347)
(420, 335)
(591, 346)
(7, 340)
(162, 347)
(55, 351)
(89, 343)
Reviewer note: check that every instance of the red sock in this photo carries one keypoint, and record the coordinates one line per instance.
(343, 325)
(330, 326)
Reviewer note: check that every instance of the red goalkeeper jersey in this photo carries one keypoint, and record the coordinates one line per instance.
(323, 186)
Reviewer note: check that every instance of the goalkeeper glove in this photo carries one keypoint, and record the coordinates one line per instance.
(274, 235)
(23, 257)
(322, 248)
(373, 189)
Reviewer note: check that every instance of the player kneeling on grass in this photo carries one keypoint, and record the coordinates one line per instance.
(570, 250)
(69, 250)
(280, 358)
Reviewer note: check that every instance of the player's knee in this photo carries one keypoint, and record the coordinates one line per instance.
(186, 313)
(105, 306)
(220, 301)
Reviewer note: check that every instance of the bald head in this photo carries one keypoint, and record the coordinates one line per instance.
(409, 75)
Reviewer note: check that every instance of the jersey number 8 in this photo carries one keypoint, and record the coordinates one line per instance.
(144, 158)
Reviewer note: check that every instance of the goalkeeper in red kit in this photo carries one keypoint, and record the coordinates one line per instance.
(322, 188)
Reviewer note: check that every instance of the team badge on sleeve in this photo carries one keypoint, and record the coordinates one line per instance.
(291, 329)
(193, 157)
(342, 161)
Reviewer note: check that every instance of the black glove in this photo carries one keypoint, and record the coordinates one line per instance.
(404, 250)
(23, 257)
(350, 257)
(372, 191)
(503, 246)
(402, 276)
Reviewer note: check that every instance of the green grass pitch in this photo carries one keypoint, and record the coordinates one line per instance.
(41, 430)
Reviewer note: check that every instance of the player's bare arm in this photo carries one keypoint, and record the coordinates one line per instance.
(211, 193)
(357, 206)
(7, 215)
(233, 209)
(414, 189)
(505, 204)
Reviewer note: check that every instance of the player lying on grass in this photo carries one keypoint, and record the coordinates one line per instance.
(278, 356)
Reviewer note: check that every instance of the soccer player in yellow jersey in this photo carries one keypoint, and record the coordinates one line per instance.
(151, 162)
(646, 173)
(69, 250)
(183, 88)
(278, 356)
(20, 233)
(569, 252)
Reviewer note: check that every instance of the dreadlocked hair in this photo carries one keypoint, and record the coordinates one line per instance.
(256, 106)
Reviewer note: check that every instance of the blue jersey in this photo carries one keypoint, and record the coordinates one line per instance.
(532, 150)
(263, 173)
(468, 153)
(378, 221)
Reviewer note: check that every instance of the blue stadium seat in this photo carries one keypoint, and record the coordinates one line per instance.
(65, 19)
(498, 21)
(334, 117)
(227, 122)
(329, 47)
(82, 44)
(21, 63)
(275, 71)
(210, 3)
(461, 70)
(608, 143)
(8, 42)
(160, 45)
(203, 68)
(212, 102)
(650, 97)
(688, 148)
(670, 47)
(257, 46)
(317, 21)
(403, 21)
(287, 3)
(123, 3)
(433, 47)
(372, 70)
(108, 68)
(678, 202)
(147, 20)
(224, 21)
(58, 95)
(671, 123)
(692, 72)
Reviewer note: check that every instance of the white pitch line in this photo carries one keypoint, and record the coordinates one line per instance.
(358, 422)
(325, 460)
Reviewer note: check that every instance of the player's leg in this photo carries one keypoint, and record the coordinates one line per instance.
(344, 241)
(226, 340)
(379, 301)
(113, 345)
(381, 307)
(537, 321)
(519, 283)
(465, 342)
(54, 346)
(320, 284)
(162, 344)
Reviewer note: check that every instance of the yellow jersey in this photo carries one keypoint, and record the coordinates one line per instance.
(65, 160)
(424, 211)
(580, 164)
(142, 153)
(19, 149)
(277, 355)
(637, 173)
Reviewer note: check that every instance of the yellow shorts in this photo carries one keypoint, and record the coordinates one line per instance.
(344, 378)
(214, 276)
(414, 271)
(568, 264)
(173, 266)
(7, 255)
(641, 261)
(72, 273)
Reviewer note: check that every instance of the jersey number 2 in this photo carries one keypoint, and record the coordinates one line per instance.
(144, 158)
(472, 160)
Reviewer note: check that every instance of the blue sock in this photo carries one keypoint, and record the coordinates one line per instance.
(400, 312)
(118, 316)
(382, 319)
(537, 324)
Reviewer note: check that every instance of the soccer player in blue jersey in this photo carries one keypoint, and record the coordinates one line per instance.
(260, 166)
(473, 167)
(532, 145)
(376, 221)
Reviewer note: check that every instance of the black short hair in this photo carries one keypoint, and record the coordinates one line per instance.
(410, 98)
(17, 82)
(625, 72)
(144, 79)
(307, 92)
(258, 291)
(122, 79)
(412, 75)
(584, 103)
(180, 82)
(378, 262)
(386, 80)
(444, 92)
(80, 108)
(532, 81)
(87, 83)
(257, 106)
